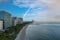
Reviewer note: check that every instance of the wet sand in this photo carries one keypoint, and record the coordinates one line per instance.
(21, 35)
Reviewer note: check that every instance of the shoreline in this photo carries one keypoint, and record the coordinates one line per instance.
(22, 33)
(12, 32)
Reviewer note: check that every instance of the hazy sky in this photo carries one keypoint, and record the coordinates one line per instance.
(39, 10)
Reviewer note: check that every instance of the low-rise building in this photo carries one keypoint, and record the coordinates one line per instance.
(16, 21)
(20, 20)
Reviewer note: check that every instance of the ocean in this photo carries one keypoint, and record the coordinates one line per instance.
(43, 31)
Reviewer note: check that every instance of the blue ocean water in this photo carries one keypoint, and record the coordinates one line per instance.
(43, 31)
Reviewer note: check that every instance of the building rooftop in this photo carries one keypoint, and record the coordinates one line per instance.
(5, 12)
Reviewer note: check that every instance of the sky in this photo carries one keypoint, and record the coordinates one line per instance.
(7, 5)
(38, 10)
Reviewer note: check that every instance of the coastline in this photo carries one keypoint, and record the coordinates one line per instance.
(11, 32)
(22, 34)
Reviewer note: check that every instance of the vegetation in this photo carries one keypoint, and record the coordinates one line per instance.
(11, 32)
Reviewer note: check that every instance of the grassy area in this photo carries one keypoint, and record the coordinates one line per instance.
(12, 32)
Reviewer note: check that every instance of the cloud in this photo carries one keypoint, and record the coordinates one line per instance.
(44, 10)
(31, 3)
(22, 3)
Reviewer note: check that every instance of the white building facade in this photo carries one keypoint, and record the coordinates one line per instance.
(16, 21)
(20, 20)
(6, 17)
